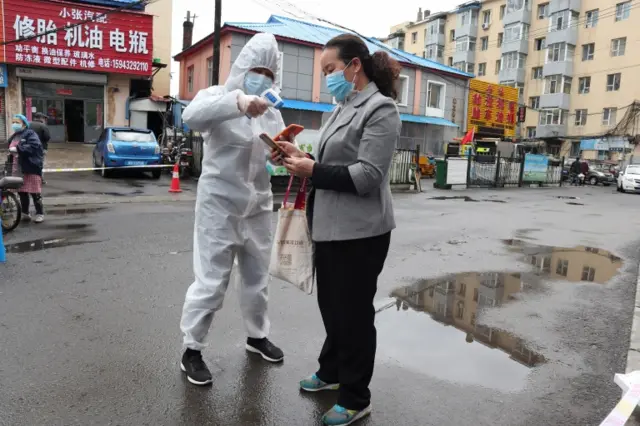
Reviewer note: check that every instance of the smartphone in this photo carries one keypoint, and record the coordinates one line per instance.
(272, 144)
(291, 130)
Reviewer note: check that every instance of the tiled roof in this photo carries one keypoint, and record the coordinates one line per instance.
(317, 34)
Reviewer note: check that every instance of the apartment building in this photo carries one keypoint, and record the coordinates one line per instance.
(570, 60)
(409, 35)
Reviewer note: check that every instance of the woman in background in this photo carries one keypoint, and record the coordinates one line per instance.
(28, 157)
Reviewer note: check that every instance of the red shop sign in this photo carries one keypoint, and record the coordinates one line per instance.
(119, 42)
(64, 92)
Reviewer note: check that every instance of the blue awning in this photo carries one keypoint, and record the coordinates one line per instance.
(307, 106)
(423, 119)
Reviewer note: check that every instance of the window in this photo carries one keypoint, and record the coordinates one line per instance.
(468, 17)
(486, 18)
(482, 69)
(484, 43)
(414, 37)
(466, 44)
(190, 79)
(623, 10)
(498, 66)
(552, 84)
(592, 18)
(575, 149)
(562, 267)
(513, 60)
(450, 61)
(559, 52)
(519, 86)
(534, 102)
(402, 86)
(562, 20)
(591, 250)
(540, 43)
(531, 132)
(435, 51)
(436, 27)
(435, 95)
(209, 72)
(618, 46)
(588, 51)
(581, 117)
(584, 85)
(613, 82)
(515, 32)
(566, 84)
(588, 274)
(543, 10)
(470, 67)
(536, 73)
(609, 116)
(502, 10)
(515, 5)
(460, 310)
(462, 289)
(452, 35)
(552, 116)
(475, 295)
(500, 39)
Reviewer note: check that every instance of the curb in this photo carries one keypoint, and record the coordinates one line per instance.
(633, 355)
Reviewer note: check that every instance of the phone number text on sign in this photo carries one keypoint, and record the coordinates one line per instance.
(117, 42)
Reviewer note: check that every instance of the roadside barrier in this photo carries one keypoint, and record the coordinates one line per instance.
(630, 385)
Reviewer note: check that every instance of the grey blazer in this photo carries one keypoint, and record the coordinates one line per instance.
(362, 134)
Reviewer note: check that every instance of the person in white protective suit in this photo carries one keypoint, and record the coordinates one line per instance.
(234, 204)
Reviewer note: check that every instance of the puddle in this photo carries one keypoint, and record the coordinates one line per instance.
(575, 204)
(466, 199)
(44, 244)
(71, 238)
(79, 211)
(435, 325)
(567, 197)
(134, 183)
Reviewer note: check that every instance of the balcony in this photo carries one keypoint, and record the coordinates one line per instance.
(523, 15)
(551, 130)
(468, 56)
(559, 5)
(568, 35)
(555, 100)
(512, 74)
(469, 29)
(520, 46)
(435, 39)
(558, 68)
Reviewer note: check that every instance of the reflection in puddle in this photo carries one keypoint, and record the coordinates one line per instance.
(450, 343)
(75, 211)
(44, 244)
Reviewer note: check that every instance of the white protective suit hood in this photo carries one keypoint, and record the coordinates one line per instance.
(234, 207)
(260, 52)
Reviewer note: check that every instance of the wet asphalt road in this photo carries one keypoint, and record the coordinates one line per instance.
(509, 307)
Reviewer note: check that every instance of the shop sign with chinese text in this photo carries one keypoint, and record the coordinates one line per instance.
(118, 42)
(492, 108)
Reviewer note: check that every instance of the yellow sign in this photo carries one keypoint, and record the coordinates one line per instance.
(492, 106)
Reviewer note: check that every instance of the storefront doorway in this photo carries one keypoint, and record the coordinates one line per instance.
(74, 111)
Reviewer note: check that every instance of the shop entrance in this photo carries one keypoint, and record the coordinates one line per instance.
(74, 114)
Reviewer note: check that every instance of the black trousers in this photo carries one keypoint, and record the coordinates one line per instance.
(347, 280)
(37, 202)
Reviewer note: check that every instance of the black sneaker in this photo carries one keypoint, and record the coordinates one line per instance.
(196, 369)
(265, 348)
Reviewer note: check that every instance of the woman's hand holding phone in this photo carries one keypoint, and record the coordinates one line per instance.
(289, 149)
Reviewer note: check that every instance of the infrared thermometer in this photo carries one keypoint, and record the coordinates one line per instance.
(273, 99)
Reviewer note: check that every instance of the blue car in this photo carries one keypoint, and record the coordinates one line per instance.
(126, 147)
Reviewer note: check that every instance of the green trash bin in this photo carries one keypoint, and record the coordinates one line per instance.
(441, 175)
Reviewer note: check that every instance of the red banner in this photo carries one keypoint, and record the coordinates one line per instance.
(119, 42)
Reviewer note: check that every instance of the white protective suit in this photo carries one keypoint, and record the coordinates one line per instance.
(234, 204)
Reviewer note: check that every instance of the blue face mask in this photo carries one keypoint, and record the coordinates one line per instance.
(339, 87)
(256, 84)
(16, 127)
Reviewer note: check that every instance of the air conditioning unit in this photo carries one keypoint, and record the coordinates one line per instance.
(485, 25)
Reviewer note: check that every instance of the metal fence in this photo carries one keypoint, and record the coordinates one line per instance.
(491, 171)
(402, 166)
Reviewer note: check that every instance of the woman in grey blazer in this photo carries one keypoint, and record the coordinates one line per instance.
(351, 216)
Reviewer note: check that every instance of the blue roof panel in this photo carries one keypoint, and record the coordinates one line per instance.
(317, 34)
(427, 120)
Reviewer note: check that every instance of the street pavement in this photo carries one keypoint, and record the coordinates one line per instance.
(470, 331)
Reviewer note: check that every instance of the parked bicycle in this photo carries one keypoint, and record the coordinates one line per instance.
(10, 207)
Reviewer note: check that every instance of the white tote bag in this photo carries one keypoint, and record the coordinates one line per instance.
(292, 253)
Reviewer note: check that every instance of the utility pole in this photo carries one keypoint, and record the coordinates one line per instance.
(215, 61)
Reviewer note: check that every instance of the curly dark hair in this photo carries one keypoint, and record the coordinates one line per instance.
(379, 67)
